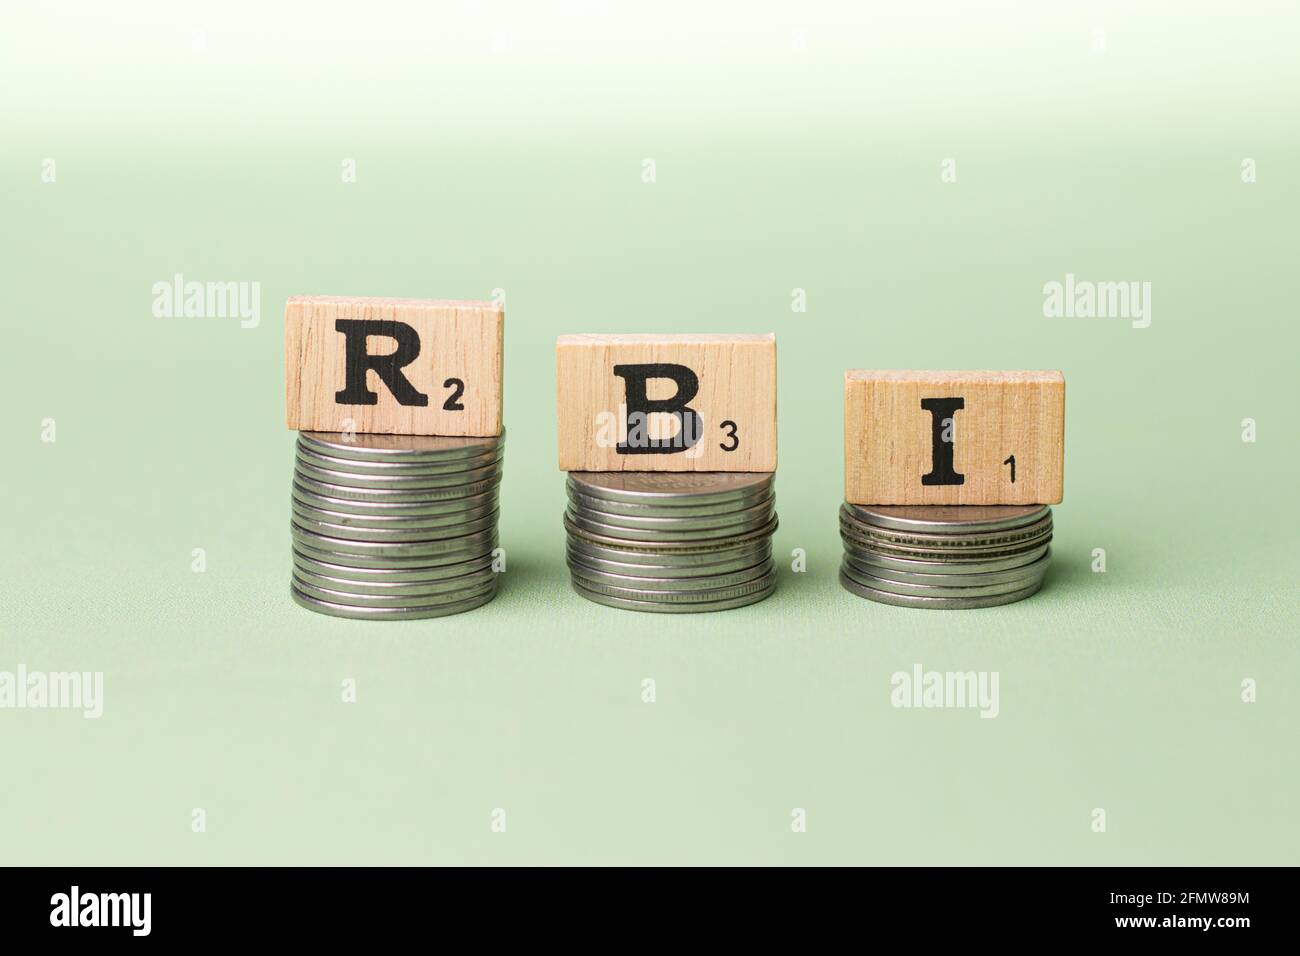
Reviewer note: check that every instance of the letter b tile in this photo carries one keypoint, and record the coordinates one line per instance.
(666, 402)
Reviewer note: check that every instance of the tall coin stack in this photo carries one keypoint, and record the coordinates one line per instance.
(390, 527)
(958, 556)
(671, 542)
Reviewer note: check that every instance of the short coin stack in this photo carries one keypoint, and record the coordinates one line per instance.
(959, 556)
(671, 542)
(394, 526)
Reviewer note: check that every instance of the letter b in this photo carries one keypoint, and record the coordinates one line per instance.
(640, 407)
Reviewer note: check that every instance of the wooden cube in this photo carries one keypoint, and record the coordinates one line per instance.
(953, 438)
(666, 402)
(393, 366)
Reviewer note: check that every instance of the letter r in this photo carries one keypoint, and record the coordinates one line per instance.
(357, 361)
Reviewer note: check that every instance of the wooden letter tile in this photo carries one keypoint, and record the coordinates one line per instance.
(666, 402)
(393, 366)
(953, 438)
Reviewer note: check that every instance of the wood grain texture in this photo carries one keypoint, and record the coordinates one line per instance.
(444, 340)
(890, 445)
(734, 381)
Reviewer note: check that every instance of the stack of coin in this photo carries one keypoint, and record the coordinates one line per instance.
(945, 556)
(671, 542)
(394, 526)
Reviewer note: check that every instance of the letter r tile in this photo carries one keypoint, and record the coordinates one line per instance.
(393, 366)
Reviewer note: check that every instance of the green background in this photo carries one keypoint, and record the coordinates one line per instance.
(793, 149)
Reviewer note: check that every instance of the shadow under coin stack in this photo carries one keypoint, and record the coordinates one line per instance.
(958, 556)
(673, 542)
(390, 527)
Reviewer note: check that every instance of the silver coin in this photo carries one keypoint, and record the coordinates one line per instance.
(945, 554)
(963, 594)
(349, 462)
(353, 479)
(369, 563)
(404, 469)
(412, 589)
(677, 533)
(382, 496)
(962, 590)
(937, 531)
(709, 537)
(676, 550)
(662, 608)
(964, 543)
(669, 559)
(390, 613)
(641, 510)
(1005, 539)
(400, 448)
(432, 599)
(939, 554)
(948, 566)
(901, 600)
(424, 598)
(396, 536)
(435, 508)
(958, 538)
(409, 575)
(945, 518)
(391, 522)
(406, 551)
(1022, 573)
(587, 529)
(672, 488)
(637, 566)
(591, 576)
(396, 539)
(679, 597)
(752, 517)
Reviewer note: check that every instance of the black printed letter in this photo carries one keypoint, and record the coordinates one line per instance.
(387, 367)
(639, 407)
(942, 410)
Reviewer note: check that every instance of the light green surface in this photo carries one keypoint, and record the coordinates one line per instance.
(817, 170)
